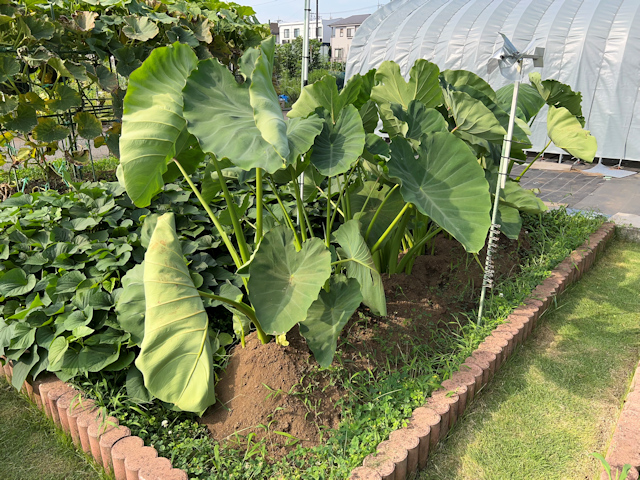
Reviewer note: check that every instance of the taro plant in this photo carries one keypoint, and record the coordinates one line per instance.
(174, 100)
(306, 254)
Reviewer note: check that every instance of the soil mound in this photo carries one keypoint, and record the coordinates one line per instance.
(264, 391)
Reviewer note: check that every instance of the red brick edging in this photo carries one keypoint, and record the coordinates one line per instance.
(625, 443)
(407, 449)
(110, 444)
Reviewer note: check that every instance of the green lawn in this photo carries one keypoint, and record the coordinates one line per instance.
(32, 449)
(558, 398)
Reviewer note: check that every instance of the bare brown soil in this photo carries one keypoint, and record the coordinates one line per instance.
(277, 393)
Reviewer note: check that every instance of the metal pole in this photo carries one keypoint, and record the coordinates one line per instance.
(487, 281)
(305, 45)
(317, 20)
(305, 82)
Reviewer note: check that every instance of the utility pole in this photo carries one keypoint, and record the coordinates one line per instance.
(317, 20)
(305, 45)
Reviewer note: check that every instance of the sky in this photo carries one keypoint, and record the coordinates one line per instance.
(290, 10)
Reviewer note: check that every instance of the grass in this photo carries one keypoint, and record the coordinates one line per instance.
(31, 448)
(558, 398)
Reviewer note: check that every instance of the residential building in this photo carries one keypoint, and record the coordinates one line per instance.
(291, 30)
(342, 33)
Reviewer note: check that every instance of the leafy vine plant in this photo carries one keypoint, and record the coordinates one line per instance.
(64, 67)
(309, 254)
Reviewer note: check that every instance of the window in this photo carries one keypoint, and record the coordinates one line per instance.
(342, 32)
(349, 32)
(333, 32)
(296, 32)
(338, 54)
(286, 33)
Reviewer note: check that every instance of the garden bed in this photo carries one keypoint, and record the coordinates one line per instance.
(397, 382)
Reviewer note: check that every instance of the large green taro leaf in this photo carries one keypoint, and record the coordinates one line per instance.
(423, 84)
(473, 117)
(283, 283)
(338, 146)
(445, 182)
(16, 282)
(458, 78)
(139, 28)
(521, 130)
(131, 304)
(219, 114)
(566, 132)
(301, 133)
(176, 355)
(264, 100)
(328, 315)
(323, 93)
(391, 88)
(529, 100)
(524, 200)
(152, 121)
(359, 264)
(420, 120)
(557, 94)
(510, 221)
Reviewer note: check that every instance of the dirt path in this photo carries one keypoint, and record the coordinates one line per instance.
(558, 398)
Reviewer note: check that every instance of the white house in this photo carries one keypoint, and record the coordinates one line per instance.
(288, 31)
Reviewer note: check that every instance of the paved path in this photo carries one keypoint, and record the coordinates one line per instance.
(618, 198)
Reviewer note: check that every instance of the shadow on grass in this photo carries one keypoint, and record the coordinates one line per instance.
(558, 397)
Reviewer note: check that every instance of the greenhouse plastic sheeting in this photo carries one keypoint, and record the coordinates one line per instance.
(592, 45)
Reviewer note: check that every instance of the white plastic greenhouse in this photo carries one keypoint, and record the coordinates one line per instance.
(592, 45)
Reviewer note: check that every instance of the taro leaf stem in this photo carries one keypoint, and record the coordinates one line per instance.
(237, 227)
(396, 242)
(259, 205)
(296, 238)
(232, 250)
(375, 216)
(345, 215)
(244, 309)
(388, 230)
(413, 251)
(533, 161)
(327, 233)
(297, 189)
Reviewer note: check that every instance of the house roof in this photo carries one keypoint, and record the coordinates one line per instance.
(352, 20)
